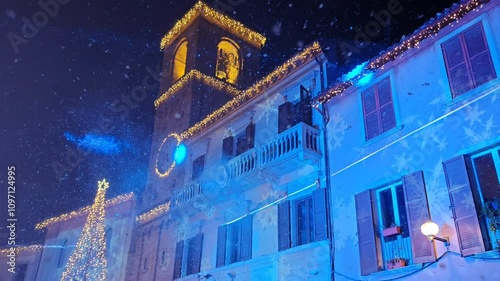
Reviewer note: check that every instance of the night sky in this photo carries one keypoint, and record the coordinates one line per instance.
(57, 126)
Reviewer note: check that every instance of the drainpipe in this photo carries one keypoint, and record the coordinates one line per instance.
(326, 118)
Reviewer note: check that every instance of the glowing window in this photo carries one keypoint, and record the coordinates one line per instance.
(179, 65)
(228, 61)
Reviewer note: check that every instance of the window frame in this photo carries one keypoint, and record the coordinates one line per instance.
(450, 100)
(239, 61)
(175, 60)
(374, 85)
(200, 173)
(308, 200)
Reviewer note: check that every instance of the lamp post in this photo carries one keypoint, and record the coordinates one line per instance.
(430, 229)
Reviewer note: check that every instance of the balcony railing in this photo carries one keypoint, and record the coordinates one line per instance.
(397, 247)
(191, 191)
(283, 153)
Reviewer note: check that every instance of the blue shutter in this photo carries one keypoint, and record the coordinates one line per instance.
(417, 211)
(250, 135)
(479, 55)
(246, 238)
(179, 249)
(369, 260)
(463, 205)
(285, 116)
(320, 219)
(284, 225)
(221, 246)
(195, 251)
(228, 147)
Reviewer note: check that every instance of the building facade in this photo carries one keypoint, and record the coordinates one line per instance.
(20, 263)
(414, 137)
(236, 181)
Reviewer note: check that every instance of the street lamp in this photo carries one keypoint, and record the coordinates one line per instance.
(430, 229)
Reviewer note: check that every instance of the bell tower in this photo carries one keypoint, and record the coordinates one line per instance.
(208, 59)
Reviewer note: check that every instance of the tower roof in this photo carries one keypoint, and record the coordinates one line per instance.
(201, 9)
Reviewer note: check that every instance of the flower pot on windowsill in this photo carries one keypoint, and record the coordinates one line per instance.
(395, 263)
(391, 231)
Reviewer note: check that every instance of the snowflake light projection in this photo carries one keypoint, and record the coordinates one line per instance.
(267, 218)
(337, 131)
(437, 192)
(206, 264)
(267, 109)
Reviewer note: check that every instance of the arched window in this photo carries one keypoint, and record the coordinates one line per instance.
(109, 236)
(61, 254)
(228, 61)
(179, 63)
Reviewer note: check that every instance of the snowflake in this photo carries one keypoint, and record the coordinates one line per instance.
(336, 135)
(267, 218)
(473, 114)
(285, 270)
(271, 194)
(494, 98)
(401, 162)
(183, 227)
(267, 108)
(437, 192)
(206, 264)
(480, 135)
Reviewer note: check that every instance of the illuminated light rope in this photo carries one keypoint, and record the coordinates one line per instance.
(88, 260)
(18, 249)
(411, 42)
(153, 213)
(82, 211)
(433, 28)
(196, 74)
(256, 89)
(169, 170)
(201, 9)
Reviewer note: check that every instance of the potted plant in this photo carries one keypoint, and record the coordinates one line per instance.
(395, 263)
(393, 229)
(491, 210)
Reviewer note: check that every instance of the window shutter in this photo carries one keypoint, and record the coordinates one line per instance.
(246, 238)
(228, 146)
(417, 211)
(463, 206)
(221, 246)
(284, 225)
(387, 115)
(195, 247)
(366, 233)
(285, 116)
(179, 249)
(370, 114)
(479, 55)
(320, 220)
(250, 134)
(456, 66)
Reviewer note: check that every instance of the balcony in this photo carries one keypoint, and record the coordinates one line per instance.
(184, 199)
(284, 153)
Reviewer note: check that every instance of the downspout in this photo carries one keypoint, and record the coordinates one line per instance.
(326, 118)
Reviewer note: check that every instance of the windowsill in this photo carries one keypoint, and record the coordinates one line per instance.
(492, 254)
(471, 94)
(304, 247)
(397, 271)
(382, 136)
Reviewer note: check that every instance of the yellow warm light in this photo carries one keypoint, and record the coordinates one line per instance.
(169, 170)
(88, 260)
(201, 9)
(153, 213)
(18, 249)
(205, 79)
(429, 228)
(228, 61)
(179, 65)
(256, 89)
(82, 211)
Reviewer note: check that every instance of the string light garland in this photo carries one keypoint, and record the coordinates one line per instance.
(256, 89)
(88, 261)
(153, 213)
(201, 9)
(433, 27)
(82, 211)
(167, 172)
(205, 79)
(19, 249)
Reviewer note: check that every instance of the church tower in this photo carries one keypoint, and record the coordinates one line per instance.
(208, 59)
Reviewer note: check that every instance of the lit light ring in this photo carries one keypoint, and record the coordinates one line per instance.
(169, 170)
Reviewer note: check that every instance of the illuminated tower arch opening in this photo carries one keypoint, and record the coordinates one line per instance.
(228, 60)
(180, 57)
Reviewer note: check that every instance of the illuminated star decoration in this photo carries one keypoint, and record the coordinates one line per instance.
(88, 261)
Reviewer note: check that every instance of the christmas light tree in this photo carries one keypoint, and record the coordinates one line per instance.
(88, 261)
